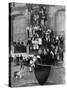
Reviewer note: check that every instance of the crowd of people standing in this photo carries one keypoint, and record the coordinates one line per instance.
(41, 37)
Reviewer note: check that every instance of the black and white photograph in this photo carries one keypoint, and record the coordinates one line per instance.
(36, 44)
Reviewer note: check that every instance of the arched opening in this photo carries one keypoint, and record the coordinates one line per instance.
(19, 26)
(60, 22)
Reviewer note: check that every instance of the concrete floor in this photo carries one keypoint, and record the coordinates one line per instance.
(57, 76)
